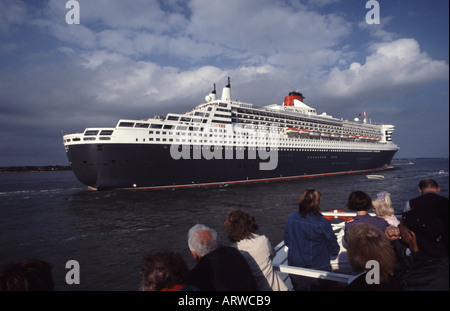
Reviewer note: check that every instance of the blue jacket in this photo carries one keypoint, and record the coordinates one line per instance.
(311, 241)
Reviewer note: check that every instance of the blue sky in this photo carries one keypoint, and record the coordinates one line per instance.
(135, 59)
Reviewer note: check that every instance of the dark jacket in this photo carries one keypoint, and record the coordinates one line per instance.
(420, 272)
(438, 206)
(224, 269)
(360, 284)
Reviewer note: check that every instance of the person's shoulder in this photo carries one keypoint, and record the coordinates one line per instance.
(258, 237)
(294, 216)
(224, 250)
(261, 239)
(381, 220)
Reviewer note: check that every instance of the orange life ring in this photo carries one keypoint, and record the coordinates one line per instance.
(337, 212)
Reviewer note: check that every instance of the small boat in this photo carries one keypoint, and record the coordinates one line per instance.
(375, 176)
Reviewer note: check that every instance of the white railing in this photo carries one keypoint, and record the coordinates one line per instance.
(280, 265)
(318, 274)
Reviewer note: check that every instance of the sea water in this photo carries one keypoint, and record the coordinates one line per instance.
(51, 216)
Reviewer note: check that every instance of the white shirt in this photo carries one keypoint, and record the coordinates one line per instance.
(259, 254)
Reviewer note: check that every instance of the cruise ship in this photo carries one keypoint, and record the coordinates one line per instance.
(224, 141)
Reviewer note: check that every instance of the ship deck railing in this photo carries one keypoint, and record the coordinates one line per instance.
(284, 270)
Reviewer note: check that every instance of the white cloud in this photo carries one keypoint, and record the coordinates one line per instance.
(117, 14)
(12, 13)
(141, 53)
(378, 31)
(263, 27)
(392, 65)
(238, 31)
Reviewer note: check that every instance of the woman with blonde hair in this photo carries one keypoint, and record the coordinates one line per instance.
(382, 207)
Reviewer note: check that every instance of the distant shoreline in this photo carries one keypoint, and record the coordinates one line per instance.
(432, 158)
(34, 169)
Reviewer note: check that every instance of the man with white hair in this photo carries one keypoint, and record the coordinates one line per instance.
(219, 268)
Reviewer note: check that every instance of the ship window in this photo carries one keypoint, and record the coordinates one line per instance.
(106, 132)
(155, 126)
(220, 121)
(168, 127)
(172, 118)
(221, 115)
(180, 127)
(185, 119)
(90, 133)
(126, 124)
(142, 125)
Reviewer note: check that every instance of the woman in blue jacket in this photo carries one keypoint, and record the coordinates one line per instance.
(310, 239)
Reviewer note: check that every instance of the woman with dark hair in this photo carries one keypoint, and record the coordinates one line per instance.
(360, 202)
(28, 275)
(310, 239)
(256, 249)
(163, 270)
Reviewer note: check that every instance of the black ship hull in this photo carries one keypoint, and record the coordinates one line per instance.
(110, 166)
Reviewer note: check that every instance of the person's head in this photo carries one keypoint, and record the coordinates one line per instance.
(359, 201)
(239, 225)
(383, 205)
(366, 242)
(309, 202)
(422, 231)
(429, 185)
(27, 275)
(202, 240)
(163, 269)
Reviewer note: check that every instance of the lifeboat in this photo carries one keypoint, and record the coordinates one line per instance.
(334, 136)
(338, 214)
